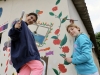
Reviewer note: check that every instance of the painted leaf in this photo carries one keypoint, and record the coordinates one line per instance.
(64, 19)
(37, 11)
(1, 64)
(56, 72)
(12, 73)
(1, 11)
(60, 14)
(51, 13)
(71, 56)
(66, 63)
(54, 37)
(64, 40)
(58, 1)
(63, 55)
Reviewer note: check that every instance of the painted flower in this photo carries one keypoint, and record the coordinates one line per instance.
(55, 8)
(8, 49)
(6, 69)
(4, 48)
(57, 31)
(56, 41)
(7, 62)
(62, 68)
(10, 62)
(40, 12)
(65, 49)
(4, 54)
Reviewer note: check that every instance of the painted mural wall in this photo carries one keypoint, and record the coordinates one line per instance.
(50, 33)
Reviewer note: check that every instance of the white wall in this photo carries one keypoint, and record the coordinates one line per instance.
(74, 15)
(12, 9)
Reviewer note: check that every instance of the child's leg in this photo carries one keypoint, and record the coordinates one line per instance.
(36, 67)
(25, 70)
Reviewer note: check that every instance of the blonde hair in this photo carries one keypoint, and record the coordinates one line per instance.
(72, 25)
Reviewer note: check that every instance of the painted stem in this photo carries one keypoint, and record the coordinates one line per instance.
(59, 73)
(60, 23)
(59, 19)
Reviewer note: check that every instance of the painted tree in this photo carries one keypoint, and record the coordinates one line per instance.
(97, 35)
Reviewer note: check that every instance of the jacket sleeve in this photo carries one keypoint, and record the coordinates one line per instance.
(85, 48)
(14, 33)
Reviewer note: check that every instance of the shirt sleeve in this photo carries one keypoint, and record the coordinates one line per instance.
(86, 48)
(14, 33)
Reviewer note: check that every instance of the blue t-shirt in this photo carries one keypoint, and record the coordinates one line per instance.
(82, 55)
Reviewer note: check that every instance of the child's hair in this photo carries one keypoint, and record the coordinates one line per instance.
(72, 25)
(34, 15)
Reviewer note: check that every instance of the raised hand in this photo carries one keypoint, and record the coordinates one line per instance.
(18, 25)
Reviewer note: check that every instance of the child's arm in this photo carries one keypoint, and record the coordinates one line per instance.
(86, 47)
(15, 31)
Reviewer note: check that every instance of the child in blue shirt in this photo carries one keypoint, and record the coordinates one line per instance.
(82, 54)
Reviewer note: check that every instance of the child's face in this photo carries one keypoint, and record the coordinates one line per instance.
(73, 31)
(30, 19)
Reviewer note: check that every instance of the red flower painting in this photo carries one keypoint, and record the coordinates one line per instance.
(65, 49)
(55, 8)
(57, 31)
(56, 41)
(62, 68)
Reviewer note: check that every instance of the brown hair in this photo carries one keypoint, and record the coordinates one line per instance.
(72, 25)
(34, 15)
